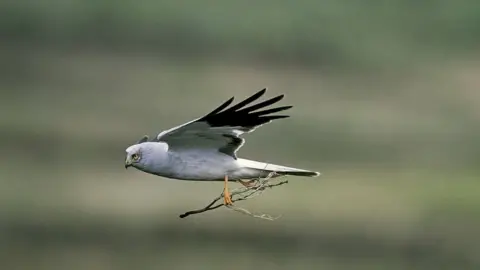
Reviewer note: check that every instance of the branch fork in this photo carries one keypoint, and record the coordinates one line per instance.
(244, 193)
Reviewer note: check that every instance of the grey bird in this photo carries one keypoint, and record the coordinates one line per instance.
(205, 149)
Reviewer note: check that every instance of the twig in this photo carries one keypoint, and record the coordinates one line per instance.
(242, 194)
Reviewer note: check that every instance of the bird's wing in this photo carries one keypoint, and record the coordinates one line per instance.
(221, 129)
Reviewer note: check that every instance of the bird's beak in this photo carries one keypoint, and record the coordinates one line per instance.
(128, 163)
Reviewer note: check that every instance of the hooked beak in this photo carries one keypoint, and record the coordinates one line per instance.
(128, 163)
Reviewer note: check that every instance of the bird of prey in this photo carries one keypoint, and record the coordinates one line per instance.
(205, 149)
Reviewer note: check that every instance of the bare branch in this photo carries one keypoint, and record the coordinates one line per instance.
(242, 194)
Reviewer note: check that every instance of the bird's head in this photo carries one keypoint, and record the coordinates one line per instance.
(146, 156)
(133, 156)
(134, 153)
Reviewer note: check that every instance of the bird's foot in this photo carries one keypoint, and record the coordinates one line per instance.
(227, 198)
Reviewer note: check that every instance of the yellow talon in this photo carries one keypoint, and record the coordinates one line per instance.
(227, 198)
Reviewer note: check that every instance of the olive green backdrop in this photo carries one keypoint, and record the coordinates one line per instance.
(386, 105)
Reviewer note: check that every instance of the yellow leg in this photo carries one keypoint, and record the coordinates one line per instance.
(226, 194)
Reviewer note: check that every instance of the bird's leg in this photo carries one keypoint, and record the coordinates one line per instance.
(248, 184)
(226, 194)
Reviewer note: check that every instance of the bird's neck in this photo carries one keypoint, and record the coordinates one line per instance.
(157, 161)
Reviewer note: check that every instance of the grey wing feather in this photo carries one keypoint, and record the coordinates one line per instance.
(221, 129)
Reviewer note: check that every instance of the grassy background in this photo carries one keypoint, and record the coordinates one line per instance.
(327, 33)
(385, 97)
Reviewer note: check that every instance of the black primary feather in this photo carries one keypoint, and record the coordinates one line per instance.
(221, 107)
(248, 100)
(241, 116)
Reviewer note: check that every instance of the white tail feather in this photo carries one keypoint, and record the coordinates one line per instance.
(251, 164)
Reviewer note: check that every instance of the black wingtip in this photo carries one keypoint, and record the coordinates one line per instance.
(278, 98)
(245, 116)
(270, 111)
(247, 101)
(262, 104)
(221, 107)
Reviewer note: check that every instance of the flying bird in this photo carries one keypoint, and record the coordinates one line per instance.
(205, 149)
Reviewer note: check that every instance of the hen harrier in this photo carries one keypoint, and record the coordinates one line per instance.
(205, 149)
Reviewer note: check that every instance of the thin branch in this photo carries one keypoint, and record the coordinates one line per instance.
(242, 194)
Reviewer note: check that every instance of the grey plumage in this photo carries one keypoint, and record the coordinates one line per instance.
(205, 149)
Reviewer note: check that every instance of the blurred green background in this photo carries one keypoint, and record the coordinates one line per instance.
(386, 105)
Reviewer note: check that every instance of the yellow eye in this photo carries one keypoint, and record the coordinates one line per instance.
(135, 157)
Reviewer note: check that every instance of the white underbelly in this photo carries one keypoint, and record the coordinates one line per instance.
(201, 166)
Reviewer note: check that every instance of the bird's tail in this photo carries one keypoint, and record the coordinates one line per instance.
(279, 169)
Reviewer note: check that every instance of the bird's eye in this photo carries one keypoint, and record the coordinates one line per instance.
(135, 157)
